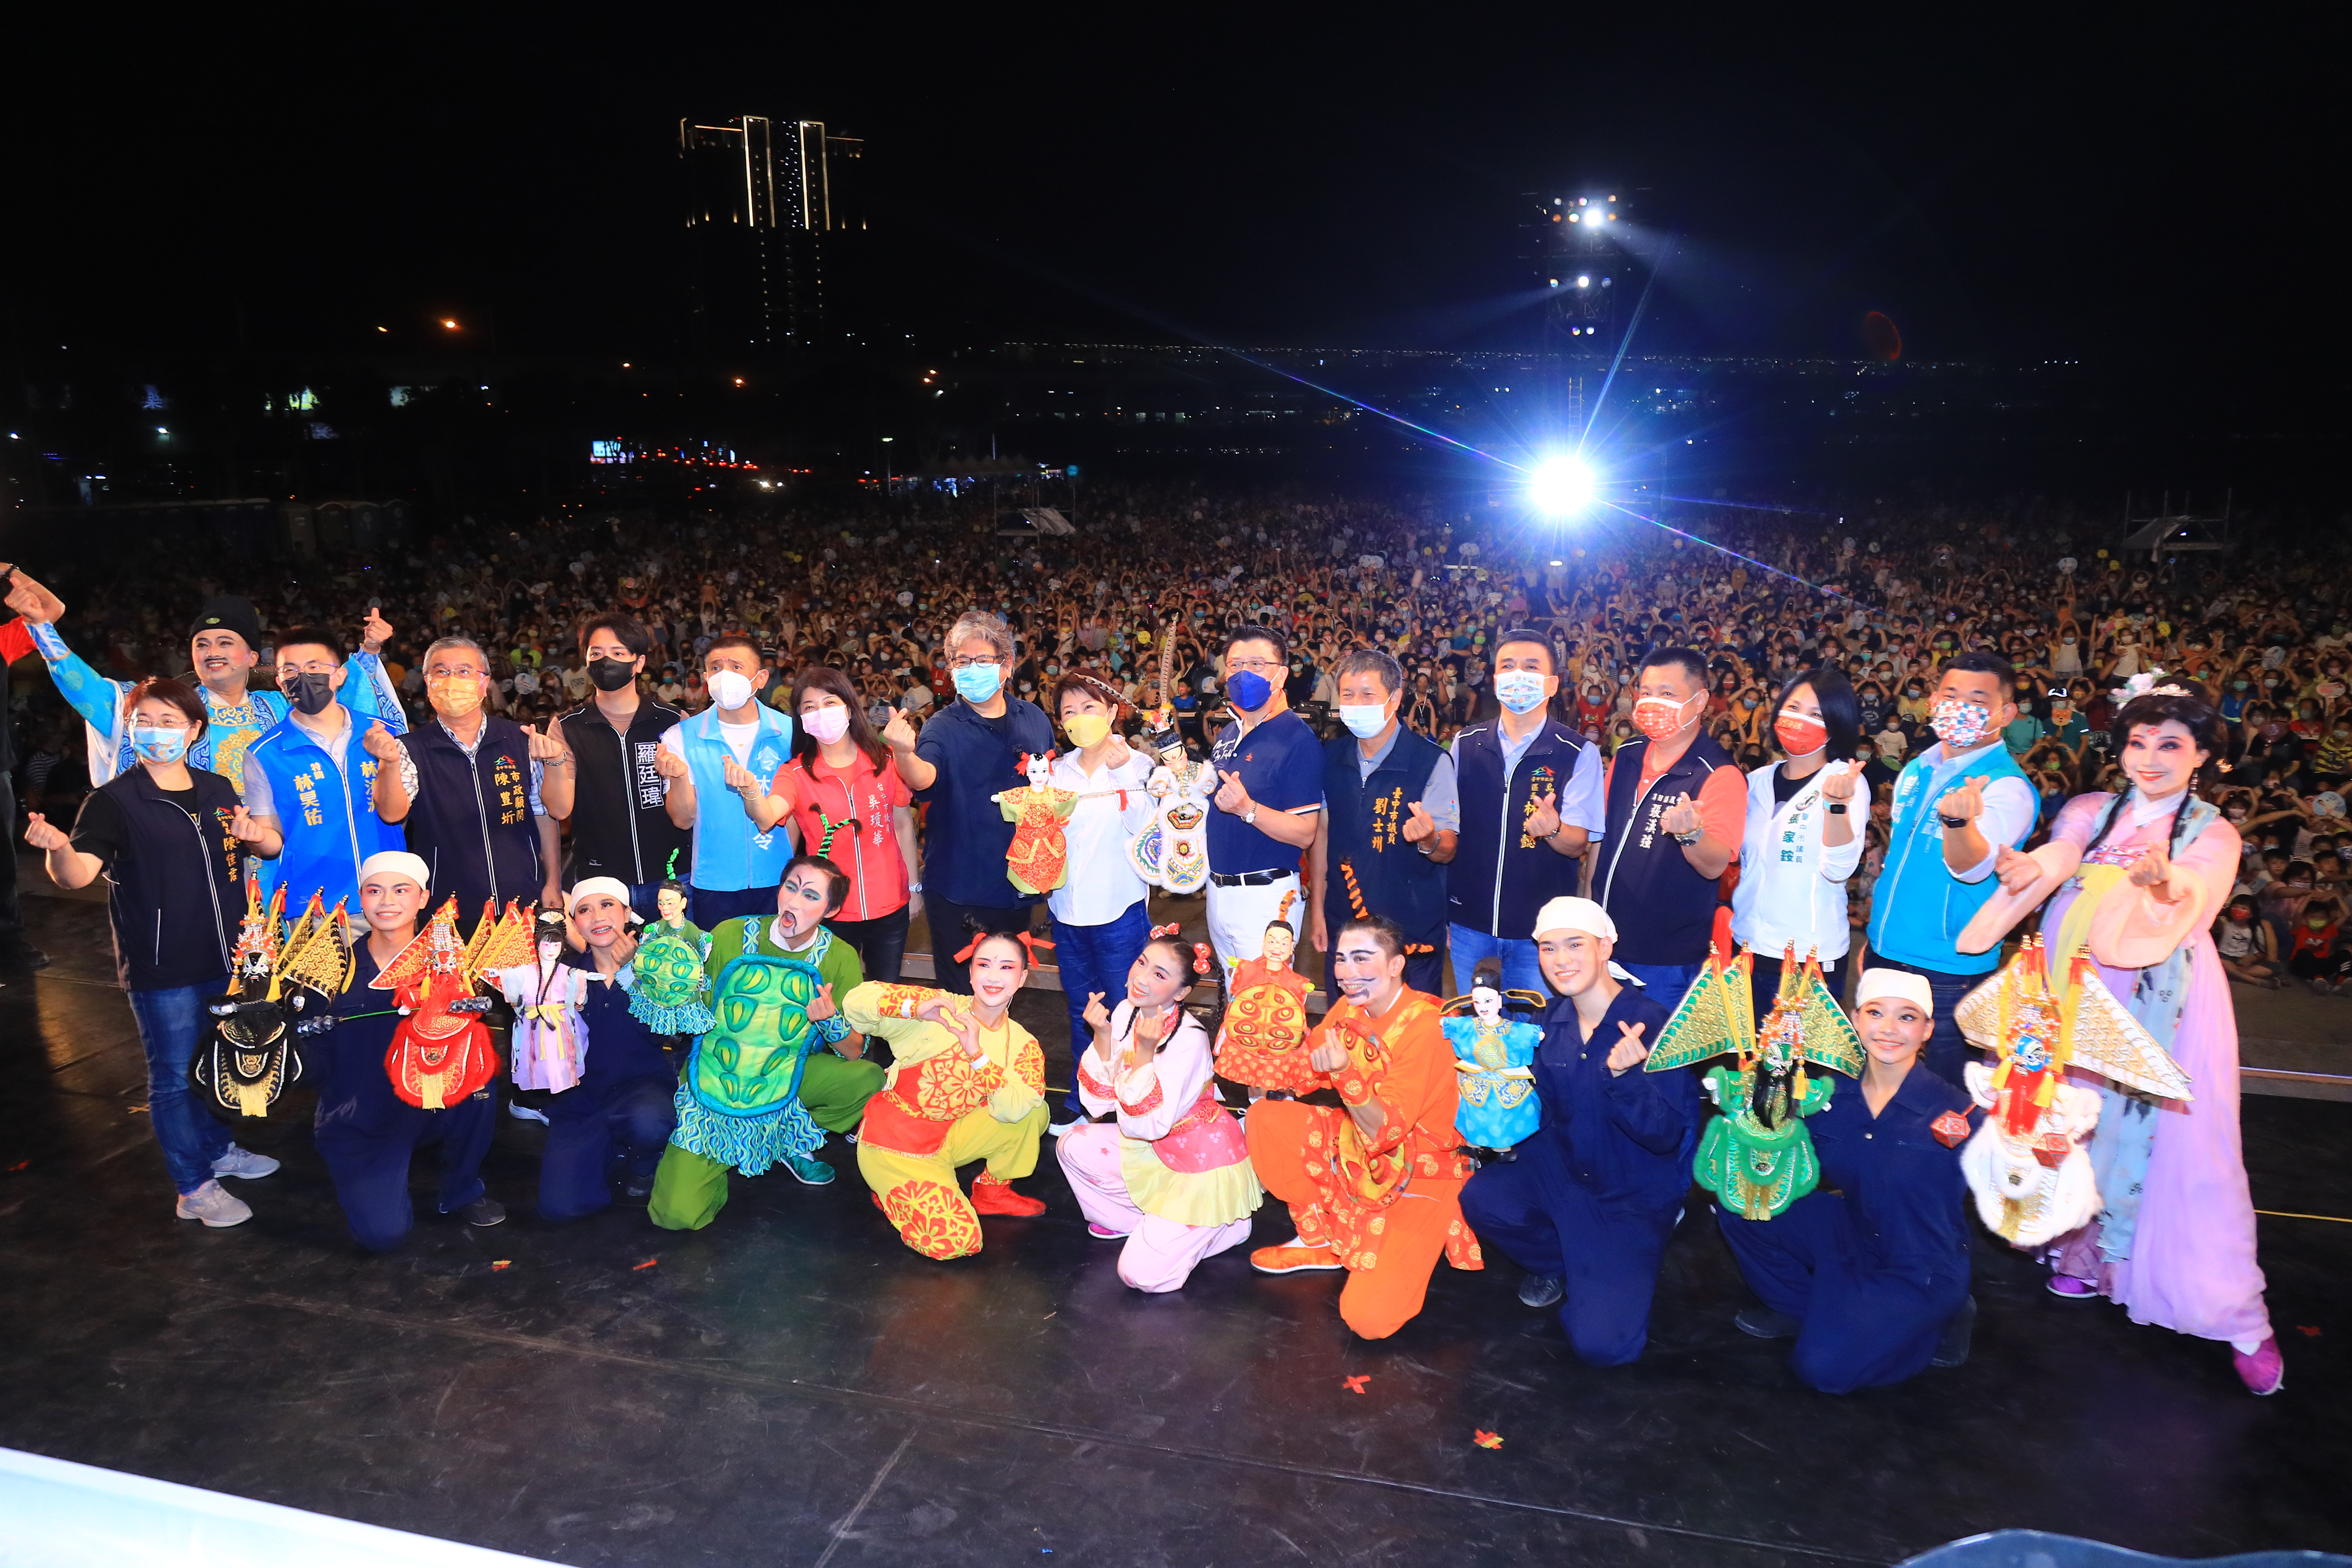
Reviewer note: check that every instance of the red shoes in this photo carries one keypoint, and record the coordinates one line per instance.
(989, 1196)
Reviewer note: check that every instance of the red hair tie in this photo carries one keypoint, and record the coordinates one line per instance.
(1200, 958)
(1029, 944)
(1171, 928)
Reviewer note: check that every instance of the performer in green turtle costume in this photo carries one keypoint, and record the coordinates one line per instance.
(673, 969)
(778, 1066)
(1757, 1157)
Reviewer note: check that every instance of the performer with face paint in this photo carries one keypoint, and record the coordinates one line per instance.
(1956, 805)
(467, 787)
(1803, 835)
(782, 1066)
(169, 839)
(1870, 1274)
(369, 1126)
(1676, 807)
(309, 785)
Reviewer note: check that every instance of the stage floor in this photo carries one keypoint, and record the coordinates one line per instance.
(795, 1386)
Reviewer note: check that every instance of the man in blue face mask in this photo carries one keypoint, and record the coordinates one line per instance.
(968, 755)
(1389, 822)
(1269, 794)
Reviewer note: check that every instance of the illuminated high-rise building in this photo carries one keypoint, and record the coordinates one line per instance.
(760, 200)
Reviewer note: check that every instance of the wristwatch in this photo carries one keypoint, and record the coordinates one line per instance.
(1693, 836)
(1951, 821)
(1836, 808)
(1249, 817)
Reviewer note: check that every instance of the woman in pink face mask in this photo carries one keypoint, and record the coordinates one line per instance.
(1802, 840)
(853, 808)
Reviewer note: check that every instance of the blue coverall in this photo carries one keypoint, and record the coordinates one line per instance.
(625, 1103)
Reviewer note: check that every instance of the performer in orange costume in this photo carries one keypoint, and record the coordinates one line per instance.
(1263, 1040)
(1374, 1189)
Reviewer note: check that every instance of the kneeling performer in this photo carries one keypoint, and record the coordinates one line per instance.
(1173, 1175)
(1872, 1279)
(1596, 1190)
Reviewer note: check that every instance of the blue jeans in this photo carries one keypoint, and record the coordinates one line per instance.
(1947, 1051)
(1665, 983)
(1520, 971)
(1095, 958)
(172, 1024)
(712, 906)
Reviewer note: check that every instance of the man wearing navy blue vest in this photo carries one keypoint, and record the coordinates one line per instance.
(1530, 801)
(957, 765)
(725, 779)
(468, 788)
(309, 786)
(1676, 810)
(1955, 804)
(1388, 824)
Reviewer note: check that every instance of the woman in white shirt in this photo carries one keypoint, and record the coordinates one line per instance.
(1804, 835)
(1101, 915)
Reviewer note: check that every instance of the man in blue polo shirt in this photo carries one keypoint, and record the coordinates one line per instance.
(966, 756)
(1269, 768)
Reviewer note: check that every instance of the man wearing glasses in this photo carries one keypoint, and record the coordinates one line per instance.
(1269, 769)
(308, 788)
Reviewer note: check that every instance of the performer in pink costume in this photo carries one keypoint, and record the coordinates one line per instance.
(2139, 878)
(1172, 1175)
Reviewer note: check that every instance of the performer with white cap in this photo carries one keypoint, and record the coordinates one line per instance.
(1870, 1271)
(622, 1107)
(367, 1134)
(1588, 1206)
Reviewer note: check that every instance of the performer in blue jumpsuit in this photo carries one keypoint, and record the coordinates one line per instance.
(1872, 1278)
(365, 1133)
(1588, 1206)
(622, 1107)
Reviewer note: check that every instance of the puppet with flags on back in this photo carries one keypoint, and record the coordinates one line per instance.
(440, 1052)
(279, 982)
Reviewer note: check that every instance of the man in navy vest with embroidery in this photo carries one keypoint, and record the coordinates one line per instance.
(1530, 801)
(1677, 808)
(467, 787)
(1956, 805)
(310, 787)
(1388, 824)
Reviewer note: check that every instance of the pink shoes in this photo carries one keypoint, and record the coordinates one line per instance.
(2265, 1371)
(2072, 1289)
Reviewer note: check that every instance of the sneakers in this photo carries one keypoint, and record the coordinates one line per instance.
(989, 1196)
(1541, 1291)
(2265, 1371)
(522, 1112)
(484, 1212)
(1058, 1129)
(638, 1186)
(2068, 1288)
(215, 1205)
(808, 1172)
(1960, 1329)
(243, 1165)
(1292, 1259)
(1100, 1234)
(1762, 1322)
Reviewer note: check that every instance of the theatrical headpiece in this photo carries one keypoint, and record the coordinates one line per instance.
(228, 613)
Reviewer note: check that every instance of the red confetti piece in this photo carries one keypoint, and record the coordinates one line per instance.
(503, 1263)
(19, 1165)
(641, 1268)
(1486, 1439)
(1356, 1385)
(2311, 1329)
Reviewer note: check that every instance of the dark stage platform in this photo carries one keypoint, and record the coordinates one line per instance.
(794, 1387)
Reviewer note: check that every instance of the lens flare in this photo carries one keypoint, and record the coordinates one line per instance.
(1561, 485)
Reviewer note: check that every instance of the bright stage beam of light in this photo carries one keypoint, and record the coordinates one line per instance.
(1562, 486)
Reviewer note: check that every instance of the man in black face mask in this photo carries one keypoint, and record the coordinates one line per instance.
(612, 793)
(310, 785)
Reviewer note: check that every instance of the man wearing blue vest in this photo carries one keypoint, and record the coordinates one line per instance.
(1676, 810)
(310, 785)
(725, 767)
(1388, 824)
(1530, 801)
(1955, 804)
(468, 788)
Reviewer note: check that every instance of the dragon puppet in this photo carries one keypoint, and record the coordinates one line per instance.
(441, 1052)
(2025, 1165)
(276, 977)
(1757, 1157)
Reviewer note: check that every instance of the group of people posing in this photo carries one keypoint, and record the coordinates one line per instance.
(740, 883)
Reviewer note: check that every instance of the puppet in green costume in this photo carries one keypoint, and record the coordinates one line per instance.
(673, 975)
(1757, 1157)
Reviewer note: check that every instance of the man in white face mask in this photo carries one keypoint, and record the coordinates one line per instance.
(1389, 822)
(724, 770)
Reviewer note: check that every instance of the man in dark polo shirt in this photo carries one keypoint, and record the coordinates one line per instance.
(1269, 769)
(961, 762)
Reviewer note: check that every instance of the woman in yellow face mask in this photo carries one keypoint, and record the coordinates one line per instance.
(1101, 917)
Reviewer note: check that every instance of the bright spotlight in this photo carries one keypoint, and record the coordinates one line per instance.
(1560, 486)
(1584, 282)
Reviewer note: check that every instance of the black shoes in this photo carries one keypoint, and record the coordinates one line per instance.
(1542, 1290)
(1960, 1329)
(483, 1211)
(1764, 1323)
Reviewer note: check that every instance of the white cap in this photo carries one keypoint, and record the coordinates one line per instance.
(612, 887)
(398, 863)
(1575, 914)
(1912, 988)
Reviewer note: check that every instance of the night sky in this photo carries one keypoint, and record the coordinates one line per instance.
(2152, 193)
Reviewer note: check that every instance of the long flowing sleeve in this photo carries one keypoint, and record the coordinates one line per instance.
(1021, 1086)
(878, 1007)
(2133, 928)
(98, 699)
(1406, 1084)
(368, 691)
